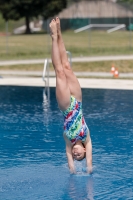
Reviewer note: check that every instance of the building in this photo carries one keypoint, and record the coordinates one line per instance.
(82, 13)
(96, 9)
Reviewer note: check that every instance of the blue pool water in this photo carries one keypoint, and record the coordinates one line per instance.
(33, 163)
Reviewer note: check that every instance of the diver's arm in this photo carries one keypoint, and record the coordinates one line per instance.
(70, 159)
(88, 147)
(69, 155)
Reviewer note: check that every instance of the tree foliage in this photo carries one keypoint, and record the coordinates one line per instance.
(126, 1)
(16, 9)
(53, 7)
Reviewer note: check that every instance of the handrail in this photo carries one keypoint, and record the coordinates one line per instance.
(45, 77)
(69, 57)
(44, 69)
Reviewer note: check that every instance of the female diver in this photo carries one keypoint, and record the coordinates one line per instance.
(69, 97)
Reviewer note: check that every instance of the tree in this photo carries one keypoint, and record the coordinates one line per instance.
(126, 1)
(16, 9)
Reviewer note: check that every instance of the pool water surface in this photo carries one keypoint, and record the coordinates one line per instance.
(33, 164)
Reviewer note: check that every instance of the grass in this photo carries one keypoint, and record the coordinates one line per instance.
(124, 66)
(92, 43)
(104, 66)
(23, 47)
(80, 44)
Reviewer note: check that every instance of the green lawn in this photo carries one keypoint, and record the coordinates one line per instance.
(91, 43)
(104, 66)
(81, 44)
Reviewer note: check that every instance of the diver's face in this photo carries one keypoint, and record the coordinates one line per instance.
(78, 151)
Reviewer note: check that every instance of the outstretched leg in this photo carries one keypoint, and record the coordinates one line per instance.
(62, 89)
(72, 80)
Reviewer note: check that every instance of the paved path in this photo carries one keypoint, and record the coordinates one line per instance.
(33, 78)
(52, 74)
(85, 83)
(78, 59)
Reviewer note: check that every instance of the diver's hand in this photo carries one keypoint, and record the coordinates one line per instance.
(90, 169)
(72, 171)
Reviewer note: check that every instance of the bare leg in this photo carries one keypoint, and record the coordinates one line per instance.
(73, 83)
(62, 89)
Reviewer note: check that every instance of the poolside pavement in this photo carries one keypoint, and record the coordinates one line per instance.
(99, 83)
(99, 80)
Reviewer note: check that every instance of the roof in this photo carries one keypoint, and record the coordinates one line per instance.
(95, 9)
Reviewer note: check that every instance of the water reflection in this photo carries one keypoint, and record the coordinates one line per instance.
(46, 108)
(79, 187)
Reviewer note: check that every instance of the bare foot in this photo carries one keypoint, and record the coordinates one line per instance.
(58, 26)
(53, 29)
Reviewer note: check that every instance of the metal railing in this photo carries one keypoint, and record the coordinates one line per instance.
(69, 57)
(45, 78)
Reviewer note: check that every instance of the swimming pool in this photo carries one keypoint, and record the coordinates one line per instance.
(32, 151)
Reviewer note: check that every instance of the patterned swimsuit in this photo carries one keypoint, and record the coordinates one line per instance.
(75, 127)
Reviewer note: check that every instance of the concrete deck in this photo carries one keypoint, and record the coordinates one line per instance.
(104, 81)
(84, 82)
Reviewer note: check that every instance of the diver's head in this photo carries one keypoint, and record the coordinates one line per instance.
(78, 151)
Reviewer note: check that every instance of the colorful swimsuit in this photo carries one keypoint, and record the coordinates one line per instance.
(75, 127)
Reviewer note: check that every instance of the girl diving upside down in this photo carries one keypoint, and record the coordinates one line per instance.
(69, 97)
